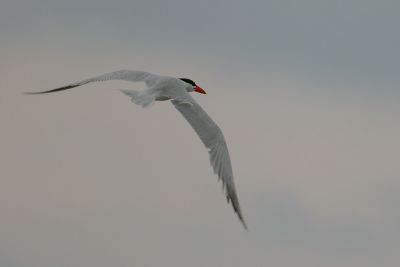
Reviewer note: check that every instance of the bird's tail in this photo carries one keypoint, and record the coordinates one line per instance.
(143, 99)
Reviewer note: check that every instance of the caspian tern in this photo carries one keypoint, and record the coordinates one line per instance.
(160, 88)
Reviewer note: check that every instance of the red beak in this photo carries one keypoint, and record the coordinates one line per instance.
(199, 90)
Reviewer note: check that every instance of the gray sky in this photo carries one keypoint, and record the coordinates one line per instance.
(305, 91)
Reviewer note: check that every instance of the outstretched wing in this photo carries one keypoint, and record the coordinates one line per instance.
(212, 137)
(127, 75)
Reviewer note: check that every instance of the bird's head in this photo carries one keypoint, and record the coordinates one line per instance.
(192, 86)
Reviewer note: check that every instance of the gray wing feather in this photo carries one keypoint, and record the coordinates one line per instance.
(127, 75)
(213, 138)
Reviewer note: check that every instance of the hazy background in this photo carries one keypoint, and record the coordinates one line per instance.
(307, 93)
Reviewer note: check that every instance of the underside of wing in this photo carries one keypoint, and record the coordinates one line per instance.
(126, 75)
(212, 137)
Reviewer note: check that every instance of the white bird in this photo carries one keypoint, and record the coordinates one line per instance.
(177, 90)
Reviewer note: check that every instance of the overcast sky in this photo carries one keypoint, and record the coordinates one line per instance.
(306, 92)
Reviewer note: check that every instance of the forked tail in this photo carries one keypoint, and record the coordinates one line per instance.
(140, 98)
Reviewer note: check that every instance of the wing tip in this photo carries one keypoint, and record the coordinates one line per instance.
(237, 210)
(242, 221)
(244, 225)
(52, 90)
(239, 213)
(31, 93)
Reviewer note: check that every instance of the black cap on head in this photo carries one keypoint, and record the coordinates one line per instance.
(189, 81)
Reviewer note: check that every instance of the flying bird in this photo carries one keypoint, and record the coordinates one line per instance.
(161, 88)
